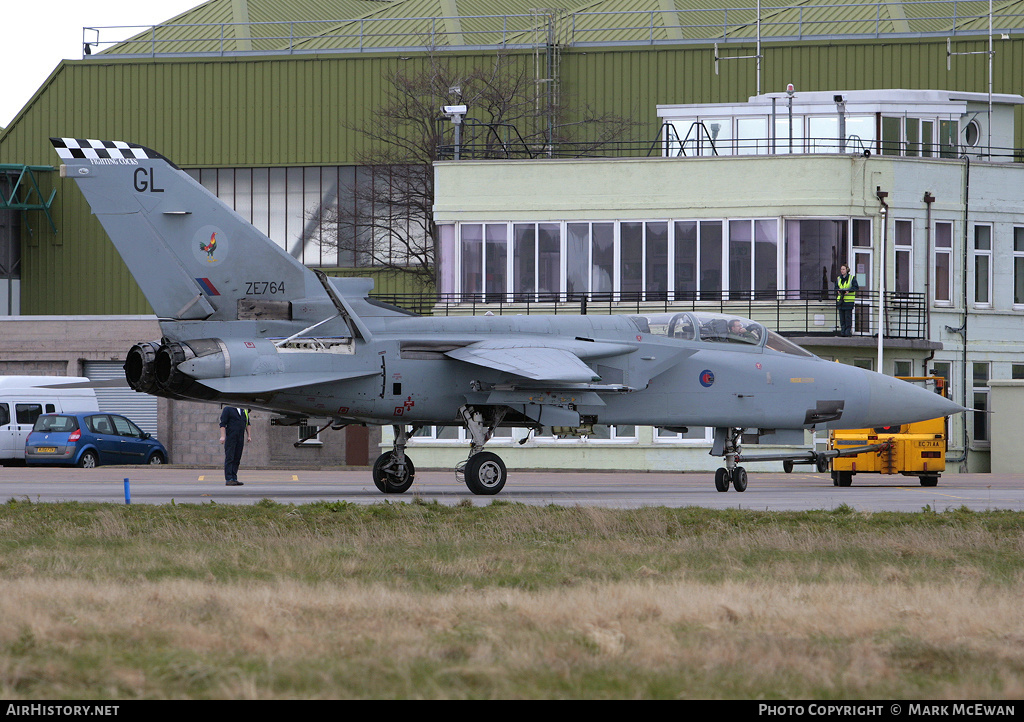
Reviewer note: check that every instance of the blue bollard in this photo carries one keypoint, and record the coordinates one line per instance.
(127, 493)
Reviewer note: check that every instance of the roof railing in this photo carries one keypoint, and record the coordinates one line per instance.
(481, 142)
(930, 18)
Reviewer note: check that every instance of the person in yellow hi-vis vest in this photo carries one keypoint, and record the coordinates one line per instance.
(846, 294)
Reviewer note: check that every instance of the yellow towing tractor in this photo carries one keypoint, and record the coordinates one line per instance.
(917, 449)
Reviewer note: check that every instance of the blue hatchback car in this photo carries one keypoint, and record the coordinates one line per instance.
(88, 439)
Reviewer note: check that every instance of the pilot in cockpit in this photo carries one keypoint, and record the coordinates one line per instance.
(739, 332)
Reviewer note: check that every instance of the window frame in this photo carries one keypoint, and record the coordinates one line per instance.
(903, 246)
(981, 393)
(1018, 267)
(947, 251)
(977, 254)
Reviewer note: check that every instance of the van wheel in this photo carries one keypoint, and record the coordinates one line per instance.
(156, 459)
(89, 460)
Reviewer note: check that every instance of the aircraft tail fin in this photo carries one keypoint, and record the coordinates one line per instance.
(193, 257)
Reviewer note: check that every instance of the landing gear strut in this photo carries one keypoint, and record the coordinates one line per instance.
(394, 472)
(483, 472)
(727, 444)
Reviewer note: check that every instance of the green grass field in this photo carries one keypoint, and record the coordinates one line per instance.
(507, 601)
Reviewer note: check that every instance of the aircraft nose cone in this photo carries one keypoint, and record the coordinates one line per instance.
(894, 401)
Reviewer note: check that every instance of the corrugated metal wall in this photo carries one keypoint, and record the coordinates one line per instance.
(230, 112)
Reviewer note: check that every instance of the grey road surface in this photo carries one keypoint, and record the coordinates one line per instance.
(622, 489)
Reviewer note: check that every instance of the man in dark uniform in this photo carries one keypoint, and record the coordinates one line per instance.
(234, 431)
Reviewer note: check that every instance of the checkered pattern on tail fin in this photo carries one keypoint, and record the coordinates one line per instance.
(68, 148)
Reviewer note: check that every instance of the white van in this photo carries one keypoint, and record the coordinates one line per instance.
(24, 398)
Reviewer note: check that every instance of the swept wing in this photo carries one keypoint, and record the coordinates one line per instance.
(538, 363)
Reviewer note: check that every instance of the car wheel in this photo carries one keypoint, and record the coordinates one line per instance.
(156, 459)
(89, 460)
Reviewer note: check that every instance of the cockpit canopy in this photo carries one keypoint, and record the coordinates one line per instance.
(715, 328)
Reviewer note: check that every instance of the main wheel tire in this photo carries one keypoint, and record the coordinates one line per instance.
(722, 479)
(386, 480)
(89, 460)
(739, 479)
(485, 473)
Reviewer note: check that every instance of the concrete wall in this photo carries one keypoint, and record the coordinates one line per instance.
(1007, 399)
(194, 435)
(644, 453)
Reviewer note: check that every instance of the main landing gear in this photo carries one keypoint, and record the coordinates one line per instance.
(483, 472)
(727, 444)
(394, 472)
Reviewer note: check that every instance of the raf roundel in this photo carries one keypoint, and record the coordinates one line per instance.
(707, 378)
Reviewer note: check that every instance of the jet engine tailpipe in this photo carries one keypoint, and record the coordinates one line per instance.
(170, 380)
(139, 366)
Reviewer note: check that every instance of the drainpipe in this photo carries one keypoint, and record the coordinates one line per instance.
(882, 195)
(789, 92)
(963, 328)
(928, 200)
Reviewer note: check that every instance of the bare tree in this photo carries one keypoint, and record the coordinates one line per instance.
(385, 218)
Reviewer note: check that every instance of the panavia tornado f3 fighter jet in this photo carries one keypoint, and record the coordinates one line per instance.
(244, 323)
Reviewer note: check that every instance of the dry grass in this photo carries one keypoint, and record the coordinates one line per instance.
(507, 602)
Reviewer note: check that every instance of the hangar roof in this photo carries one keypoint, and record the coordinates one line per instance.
(231, 27)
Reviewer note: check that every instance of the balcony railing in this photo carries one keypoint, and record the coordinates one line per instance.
(791, 313)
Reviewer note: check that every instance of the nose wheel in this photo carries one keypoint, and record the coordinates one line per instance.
(737, 477)
(727, 444)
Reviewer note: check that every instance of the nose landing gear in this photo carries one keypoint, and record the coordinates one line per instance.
(727, 444)
(394, 472)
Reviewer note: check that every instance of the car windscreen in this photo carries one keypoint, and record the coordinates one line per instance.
(56, 423)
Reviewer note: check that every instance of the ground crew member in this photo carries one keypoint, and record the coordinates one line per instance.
(846, 293)
(234, 431)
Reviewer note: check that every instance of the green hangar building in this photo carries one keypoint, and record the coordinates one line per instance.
(277, 108)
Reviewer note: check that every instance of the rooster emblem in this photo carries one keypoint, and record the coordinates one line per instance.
(209, 248)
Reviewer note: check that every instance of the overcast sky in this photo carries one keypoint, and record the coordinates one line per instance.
(38, 34)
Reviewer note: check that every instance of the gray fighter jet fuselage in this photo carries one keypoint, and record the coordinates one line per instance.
(246, 324)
